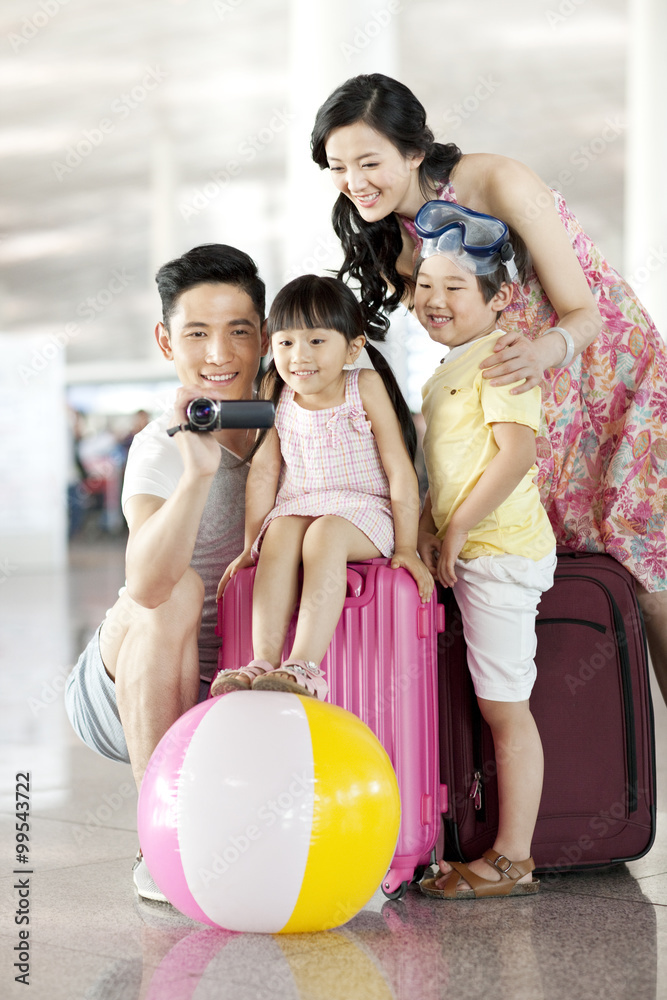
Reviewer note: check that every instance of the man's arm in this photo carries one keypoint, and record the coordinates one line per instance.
(163, 532)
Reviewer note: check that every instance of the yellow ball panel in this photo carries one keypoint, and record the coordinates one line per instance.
(356, 817)
(335, 959)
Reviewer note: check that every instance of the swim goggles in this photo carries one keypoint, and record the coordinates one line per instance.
(479, 243)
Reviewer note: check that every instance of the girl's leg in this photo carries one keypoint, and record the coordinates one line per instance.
(329, 543)
(276, 582)
(654, 611)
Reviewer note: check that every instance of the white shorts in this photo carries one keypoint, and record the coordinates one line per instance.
(498, 598)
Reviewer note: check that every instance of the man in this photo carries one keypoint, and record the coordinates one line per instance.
(183, 498)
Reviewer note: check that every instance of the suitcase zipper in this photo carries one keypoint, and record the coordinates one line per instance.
(475, 792)
(572, 621)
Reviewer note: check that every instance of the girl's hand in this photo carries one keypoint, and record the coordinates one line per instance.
(417, 570)
(241, 562)
(515, 357)
(450, 549)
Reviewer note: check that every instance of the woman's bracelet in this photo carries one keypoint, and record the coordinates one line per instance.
(569, 345)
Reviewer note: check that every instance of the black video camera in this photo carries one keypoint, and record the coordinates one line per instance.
(206, 414)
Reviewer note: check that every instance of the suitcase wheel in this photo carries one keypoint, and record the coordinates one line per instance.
(397, 893)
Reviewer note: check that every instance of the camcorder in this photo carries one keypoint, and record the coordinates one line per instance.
(206, 414)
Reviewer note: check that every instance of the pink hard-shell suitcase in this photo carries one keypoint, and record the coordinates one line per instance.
(382, 666)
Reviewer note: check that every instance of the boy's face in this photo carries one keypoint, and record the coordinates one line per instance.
(450, 305)
(215, 339)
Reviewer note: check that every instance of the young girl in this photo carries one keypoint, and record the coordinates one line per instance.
(573, 325)
(484, 531)
(331, 482)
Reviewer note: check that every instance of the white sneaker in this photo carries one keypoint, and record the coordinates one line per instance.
(143, 880)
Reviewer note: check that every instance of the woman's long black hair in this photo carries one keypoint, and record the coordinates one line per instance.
(311, 302)
(372, 248)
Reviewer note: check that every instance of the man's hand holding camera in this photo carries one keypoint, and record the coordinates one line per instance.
(200, 452)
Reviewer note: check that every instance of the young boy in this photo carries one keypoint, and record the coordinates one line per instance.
(183, 499)
(484, 530)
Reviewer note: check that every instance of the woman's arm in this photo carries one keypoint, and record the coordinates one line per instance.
(403, 484)
(516, 454)
(512, 192)
(260, 497)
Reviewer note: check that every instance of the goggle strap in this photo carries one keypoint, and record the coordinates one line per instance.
(507, 257)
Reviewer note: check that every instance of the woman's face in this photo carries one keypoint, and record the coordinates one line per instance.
(372, 173)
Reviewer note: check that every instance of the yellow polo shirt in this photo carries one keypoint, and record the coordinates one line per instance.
(459, 408)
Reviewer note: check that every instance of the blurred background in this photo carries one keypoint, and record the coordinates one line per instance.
(133, 130)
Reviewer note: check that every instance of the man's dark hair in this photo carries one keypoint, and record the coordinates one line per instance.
(210, 263)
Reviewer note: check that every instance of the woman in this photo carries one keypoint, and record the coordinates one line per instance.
(575, 325)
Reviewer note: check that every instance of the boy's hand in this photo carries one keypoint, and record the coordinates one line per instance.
(450, 549)
(241, 562)
(428, 546)
(417, 570)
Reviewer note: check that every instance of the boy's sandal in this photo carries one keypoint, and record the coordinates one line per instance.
(239, 680)
(482, 888)
(308, 677)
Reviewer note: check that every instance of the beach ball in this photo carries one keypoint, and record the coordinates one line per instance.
(268, 812)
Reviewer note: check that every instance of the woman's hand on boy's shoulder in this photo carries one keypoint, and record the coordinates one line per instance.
(410, 560)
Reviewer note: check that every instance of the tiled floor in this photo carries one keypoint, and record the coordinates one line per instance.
(584, 936)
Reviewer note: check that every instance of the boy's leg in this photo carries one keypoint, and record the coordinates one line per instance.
(152, 655)
(498, 598)
(520, 771)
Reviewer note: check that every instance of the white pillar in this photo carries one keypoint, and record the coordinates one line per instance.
(330, 41)
(33, 454)
(646, 191)
(162, 239)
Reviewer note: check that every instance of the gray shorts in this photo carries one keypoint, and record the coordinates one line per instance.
(90, 702)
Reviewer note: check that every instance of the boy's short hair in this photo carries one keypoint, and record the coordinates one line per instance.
(490, 284)
(211, 263)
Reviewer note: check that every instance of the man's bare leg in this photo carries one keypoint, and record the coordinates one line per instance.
(152, 655)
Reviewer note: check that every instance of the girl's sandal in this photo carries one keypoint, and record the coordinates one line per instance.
(308, 679)
(483, 888)
(239, 680)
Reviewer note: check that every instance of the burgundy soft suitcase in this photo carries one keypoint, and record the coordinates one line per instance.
(382, 666)
(592, 705)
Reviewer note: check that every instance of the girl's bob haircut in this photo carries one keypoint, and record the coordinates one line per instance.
(312, 302)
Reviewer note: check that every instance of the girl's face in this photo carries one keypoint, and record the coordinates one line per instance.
(372, 173)
(311, 363)
(450, 305)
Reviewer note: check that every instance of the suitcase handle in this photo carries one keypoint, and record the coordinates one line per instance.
(355, 583)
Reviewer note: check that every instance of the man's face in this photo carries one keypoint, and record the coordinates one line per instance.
(215, 340)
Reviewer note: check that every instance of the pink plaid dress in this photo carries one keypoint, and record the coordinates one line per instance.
(331, 465)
